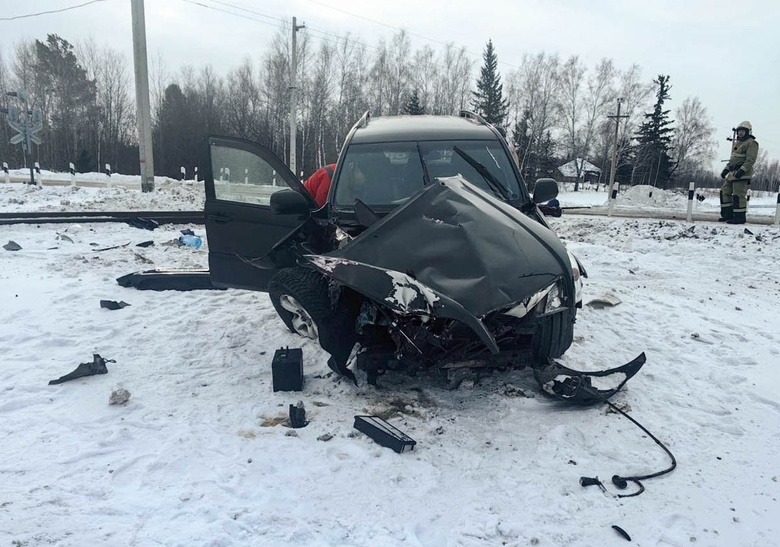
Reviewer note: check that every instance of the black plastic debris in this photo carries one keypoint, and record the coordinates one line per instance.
(110, 248)
(383, 433)
(143, 223)
(577, 386)
(12, 246)
(287, 369)
(113, 304)
(298, 416)
(145, 243)
(622, 532)
(168, 280)
(97, 366)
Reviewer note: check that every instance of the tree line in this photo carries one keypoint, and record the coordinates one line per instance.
(552, 109)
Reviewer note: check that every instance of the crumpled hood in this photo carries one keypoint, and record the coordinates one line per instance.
(463, 243)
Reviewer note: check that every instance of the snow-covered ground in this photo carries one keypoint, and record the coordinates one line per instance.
(200, 455)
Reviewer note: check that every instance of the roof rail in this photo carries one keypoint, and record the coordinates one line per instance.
(468, 114)
(363, 121)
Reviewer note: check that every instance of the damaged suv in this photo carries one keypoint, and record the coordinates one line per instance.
(430, 250)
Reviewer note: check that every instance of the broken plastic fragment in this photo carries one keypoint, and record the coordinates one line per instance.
(298, 416)
(604, 300)
(97, 366)
(113, 305)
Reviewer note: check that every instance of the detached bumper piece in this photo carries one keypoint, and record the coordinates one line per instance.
(168, 280)
(586, 388)
(383, 433)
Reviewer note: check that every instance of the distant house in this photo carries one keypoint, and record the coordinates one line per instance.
(588, 171)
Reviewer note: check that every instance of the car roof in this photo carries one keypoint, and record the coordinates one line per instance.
(421, 128)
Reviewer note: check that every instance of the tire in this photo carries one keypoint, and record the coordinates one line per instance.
(554, 335)
(300, 297)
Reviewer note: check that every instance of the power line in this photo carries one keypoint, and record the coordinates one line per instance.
(323, 35)
(48, 12)
(399, 29)
(234, 6)
(196, 3)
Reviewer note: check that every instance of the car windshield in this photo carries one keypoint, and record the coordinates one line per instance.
(386, 174)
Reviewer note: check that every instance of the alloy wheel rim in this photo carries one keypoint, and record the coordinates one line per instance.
(301, 321)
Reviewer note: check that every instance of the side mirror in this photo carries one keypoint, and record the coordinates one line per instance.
(545, 190)
(289, 202)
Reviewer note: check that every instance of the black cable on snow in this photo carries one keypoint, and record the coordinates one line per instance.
(622, 482)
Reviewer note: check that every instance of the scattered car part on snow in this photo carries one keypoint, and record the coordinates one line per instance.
(298, 416)
(113, 304)
(622, 532)
(592, 481)
(143, 223)
(287, 369)
(586, 388)
(109, 248)
(622, 482)
(168, 280)
(12, 246)
(384, 433)
(97, 366)
(604, 301)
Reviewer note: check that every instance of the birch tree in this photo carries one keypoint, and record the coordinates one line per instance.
(534, 91)
(693, 144)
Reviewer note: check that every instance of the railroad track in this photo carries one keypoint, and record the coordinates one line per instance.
(198, 217)
(662, 214)
(65, 217)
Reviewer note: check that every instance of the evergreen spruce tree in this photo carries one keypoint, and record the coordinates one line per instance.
(488, 100)
(653, 164)
(414, 107)
(84, 162)
(69, 102)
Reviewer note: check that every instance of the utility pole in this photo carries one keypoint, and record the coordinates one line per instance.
(613, 166)
(145, 152)
(293, 94)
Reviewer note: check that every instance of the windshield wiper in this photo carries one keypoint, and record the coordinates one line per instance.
(492, 181)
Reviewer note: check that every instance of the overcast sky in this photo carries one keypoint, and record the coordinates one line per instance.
(727, 53)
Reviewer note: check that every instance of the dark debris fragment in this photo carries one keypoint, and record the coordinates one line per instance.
(113, 304)
(97, 366)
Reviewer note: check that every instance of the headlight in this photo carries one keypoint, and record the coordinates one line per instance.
(551, 298)
(554, 298)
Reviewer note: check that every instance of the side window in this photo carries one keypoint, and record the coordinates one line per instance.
(242, 176)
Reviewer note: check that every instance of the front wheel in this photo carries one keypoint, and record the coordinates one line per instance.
(554, 334)
(300, 297)
(302, 300)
